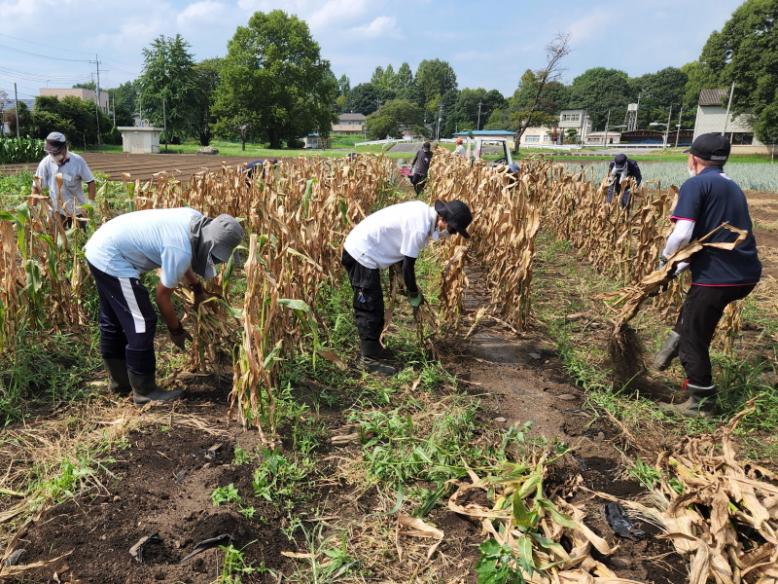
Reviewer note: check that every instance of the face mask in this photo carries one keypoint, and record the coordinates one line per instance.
(440, 234)
(59, 158)
(691, 172)
(210, 268)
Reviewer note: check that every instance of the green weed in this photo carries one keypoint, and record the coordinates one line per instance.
(226, 494)
(278, 478)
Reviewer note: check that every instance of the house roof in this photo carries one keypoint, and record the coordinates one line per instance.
(351, 118)
(712, 97)
(485, 133)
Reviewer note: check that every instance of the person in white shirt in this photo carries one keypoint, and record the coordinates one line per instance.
(460, 148)
(184, 245)
(395, 234)
(73, 171)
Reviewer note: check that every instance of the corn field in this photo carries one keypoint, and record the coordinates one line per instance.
(14, 150)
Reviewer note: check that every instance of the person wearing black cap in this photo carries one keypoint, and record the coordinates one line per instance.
(420, 167)
(185, 245)
(66, 195)
(708, 199)
(395, 234)
(621, 169)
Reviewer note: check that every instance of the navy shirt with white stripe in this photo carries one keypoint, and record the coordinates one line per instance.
(710, 199)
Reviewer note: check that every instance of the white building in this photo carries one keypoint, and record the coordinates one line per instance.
(85, 94)
(712, 117)
(349, 124)
(575, 119)
(538, 136)
(600, 139)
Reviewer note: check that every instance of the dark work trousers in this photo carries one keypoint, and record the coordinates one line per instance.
(368, 298)
(700, 314)
(127, 322)
(418, 181)
(625, 198)
(67, 221)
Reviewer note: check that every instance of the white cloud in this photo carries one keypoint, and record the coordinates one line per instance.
(593, 25)
(319, 15)
(198, 12)
(380, 26)
(132, 35)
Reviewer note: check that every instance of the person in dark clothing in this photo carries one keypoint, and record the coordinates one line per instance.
(395, 234)
(420, 167)
(719, 276)
(620, 169)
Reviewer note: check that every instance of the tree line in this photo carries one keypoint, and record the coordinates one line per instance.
(273, 86)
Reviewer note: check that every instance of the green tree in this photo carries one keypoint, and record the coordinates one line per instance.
(365, 98)
(207, 75)
(404, 85)
(25, 119)
(746, 52)
(394, 116)
(274, 81)
(169, 86)
(124, 100)
(466, 108)
(76, 118)
(344, 90)
(658, 93)
(697, 79)
(539, 111)
(598, 90)
(434, 78)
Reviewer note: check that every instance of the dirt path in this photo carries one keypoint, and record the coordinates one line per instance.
(519, 378)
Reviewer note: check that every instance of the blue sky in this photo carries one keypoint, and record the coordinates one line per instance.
(489, 43)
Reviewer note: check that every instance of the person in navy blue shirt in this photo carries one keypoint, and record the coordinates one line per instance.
(621, 169)
(708, 199)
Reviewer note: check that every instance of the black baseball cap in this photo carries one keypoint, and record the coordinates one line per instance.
(620, 159)
(712, 146)
(457, 214)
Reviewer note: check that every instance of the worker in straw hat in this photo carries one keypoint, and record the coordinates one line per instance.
(63, 173)
(395, 234)
(185, 245)
(719, 277)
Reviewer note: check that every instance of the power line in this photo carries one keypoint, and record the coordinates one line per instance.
(38, 44)
(44, 56)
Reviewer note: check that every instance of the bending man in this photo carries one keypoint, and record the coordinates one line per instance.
(394, 234)
(181, 242)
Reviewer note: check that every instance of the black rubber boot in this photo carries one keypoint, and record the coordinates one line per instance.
(119, 382)
(375, 357)
(668, 352)
(701, 403)
(145, 390)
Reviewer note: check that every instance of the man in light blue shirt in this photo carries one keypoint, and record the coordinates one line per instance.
(66, 195)
(183, 244)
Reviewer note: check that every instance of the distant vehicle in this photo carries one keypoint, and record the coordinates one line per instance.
(504, 155)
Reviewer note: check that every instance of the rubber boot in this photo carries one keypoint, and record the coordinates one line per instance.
(668, 352)
(374, 358)
(701, 402)
(145, 390)
(119, 382)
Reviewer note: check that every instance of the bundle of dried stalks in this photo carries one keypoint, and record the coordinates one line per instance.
(506, 220)
(523, 519)
(624, 348)
(718, 512)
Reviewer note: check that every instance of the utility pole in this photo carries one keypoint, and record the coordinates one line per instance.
(667, 127)
(16, 101)
(440, 119)
(607, 123)
(678, 130)
(98, 106)
(729, 105)
(113, 108)
(164, 122)
(478, 123)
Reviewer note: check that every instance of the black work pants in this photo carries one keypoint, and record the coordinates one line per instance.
(418, 181)
(368, 298)
(127, 322)
(700, 314)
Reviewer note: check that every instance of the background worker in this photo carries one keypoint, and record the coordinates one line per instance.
(184, 244)
(620, 169)
(392, 235)
(420, 167)
(460, 148)
(719, 277)
(65, 204)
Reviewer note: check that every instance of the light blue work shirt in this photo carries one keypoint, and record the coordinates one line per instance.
(75, 172)
(138, 242)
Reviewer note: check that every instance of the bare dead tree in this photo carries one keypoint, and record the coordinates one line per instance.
(556, 50)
